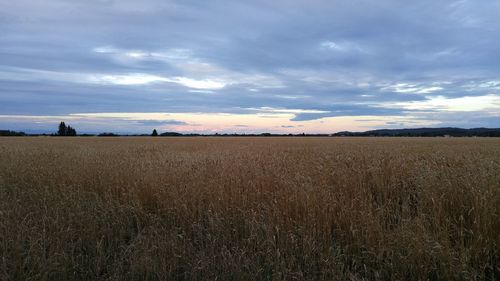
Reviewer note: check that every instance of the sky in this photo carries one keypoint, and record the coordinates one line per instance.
(231, 66)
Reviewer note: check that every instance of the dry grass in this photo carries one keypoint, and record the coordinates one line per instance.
(249, 209)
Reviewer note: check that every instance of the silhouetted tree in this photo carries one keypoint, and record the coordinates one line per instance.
(62, 129)
(11, 133)
(70, 131)
(170, 134)
(66, 130)
(155, 133)
(107, 135)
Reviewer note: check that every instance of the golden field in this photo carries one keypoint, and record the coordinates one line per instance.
(249, 208)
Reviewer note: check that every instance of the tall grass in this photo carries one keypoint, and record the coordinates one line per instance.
(249, 209)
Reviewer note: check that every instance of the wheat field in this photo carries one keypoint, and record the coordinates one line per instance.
(249, 208)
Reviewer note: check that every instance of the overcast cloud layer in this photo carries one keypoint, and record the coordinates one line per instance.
(248, 66)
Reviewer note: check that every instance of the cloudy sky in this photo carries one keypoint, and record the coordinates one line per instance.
(248, 66)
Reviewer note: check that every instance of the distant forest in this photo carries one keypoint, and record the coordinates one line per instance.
(7, 133)
(426, 132)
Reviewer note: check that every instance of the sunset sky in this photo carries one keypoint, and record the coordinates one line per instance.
(248, 66)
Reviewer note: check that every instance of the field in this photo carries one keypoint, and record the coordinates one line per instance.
(249, 208)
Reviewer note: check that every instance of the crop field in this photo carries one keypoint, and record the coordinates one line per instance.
(263, 208)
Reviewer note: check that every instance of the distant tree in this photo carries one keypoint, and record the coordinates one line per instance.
(170, 134)
(155, 133)
(66, 130)
(107, 135)
(70, 131)
(62, 129)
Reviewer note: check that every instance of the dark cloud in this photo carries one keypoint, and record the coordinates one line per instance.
(62, 57)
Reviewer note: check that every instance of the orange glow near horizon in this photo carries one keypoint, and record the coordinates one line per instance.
(223, 122)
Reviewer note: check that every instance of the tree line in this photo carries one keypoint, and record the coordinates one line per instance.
(65, 130)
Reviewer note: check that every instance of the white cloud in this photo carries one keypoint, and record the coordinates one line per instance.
(138, 54)
(406, 88)
(105, 50)
(21, 74)
(427, 90)
(142, 79)
(130, 79)
(199, 84)
(184, 61)
(493, 84)
(169, 55)
(489, 103)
